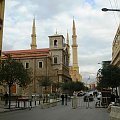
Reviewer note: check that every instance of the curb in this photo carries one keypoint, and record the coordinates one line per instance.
(12, 109)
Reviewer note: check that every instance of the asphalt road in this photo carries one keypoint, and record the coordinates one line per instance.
(60, 112)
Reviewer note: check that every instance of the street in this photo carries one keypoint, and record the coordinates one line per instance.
(60, 112)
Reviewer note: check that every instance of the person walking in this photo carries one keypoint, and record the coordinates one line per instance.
(66, 99)
(113, 97)
(6, 98)
(62, 97)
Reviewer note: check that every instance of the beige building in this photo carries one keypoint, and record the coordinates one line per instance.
(74, 69)
(52, 62)
(2, 6)
(116, 50)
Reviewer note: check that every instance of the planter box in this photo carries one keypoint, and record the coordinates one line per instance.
(115, 113)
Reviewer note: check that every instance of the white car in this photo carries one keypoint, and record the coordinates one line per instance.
(99, 96)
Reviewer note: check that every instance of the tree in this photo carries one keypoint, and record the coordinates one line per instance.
(110, 77)
(78, 86)
(73, 86)
(13, 72)
(45, 82)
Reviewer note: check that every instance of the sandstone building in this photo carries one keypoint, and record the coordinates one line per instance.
(2, 6)
(52, 62)
(116, 50)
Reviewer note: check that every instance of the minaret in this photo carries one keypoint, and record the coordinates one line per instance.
(2, 6)
(68, 47)
(33, 35)
(74, 48)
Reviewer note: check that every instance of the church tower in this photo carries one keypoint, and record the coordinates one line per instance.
(74, 48)
(33, 35)
(2, 6)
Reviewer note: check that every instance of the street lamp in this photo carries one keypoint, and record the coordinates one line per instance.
(106, 9)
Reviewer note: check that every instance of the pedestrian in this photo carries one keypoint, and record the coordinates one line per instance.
(6, 98)
(113, 97)
(62, 97)
(66, 99)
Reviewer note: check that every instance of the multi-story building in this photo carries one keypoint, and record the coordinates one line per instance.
(116, 50)
(2, 6)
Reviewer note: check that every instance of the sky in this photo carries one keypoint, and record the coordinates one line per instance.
(95, 29)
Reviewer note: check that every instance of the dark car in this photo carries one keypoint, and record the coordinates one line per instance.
(88, 97)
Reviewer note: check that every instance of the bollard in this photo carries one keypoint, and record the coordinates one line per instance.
(39, 102)
(18, 104)
(31, 103)
(74, 102)
(24, 104)
(87, 102)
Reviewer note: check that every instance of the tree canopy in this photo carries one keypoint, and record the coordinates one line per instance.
(45, 82)
(73, 86)
(12, 72)
(109, 77)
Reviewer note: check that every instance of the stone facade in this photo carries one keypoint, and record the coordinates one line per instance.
(2, 6)
(51, 62)
(116, 50)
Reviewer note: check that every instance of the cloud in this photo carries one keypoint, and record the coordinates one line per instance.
(95, 29)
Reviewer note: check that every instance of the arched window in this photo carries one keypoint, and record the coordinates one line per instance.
(55, 60)
(26, 65)
(55, 43)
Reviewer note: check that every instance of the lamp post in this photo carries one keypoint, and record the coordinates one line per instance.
(106, 9)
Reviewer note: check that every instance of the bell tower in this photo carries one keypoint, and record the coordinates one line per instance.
(2, 6)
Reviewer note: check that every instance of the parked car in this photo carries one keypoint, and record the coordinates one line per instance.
(81, 94)
(88, 97)
(99, 96)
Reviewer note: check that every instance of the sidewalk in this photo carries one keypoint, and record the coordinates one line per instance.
(60, 112)
(13, 106)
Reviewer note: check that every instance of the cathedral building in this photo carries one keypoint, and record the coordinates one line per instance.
(52, 62)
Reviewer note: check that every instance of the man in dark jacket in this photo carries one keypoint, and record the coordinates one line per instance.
(62, 97)
(6, 98)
